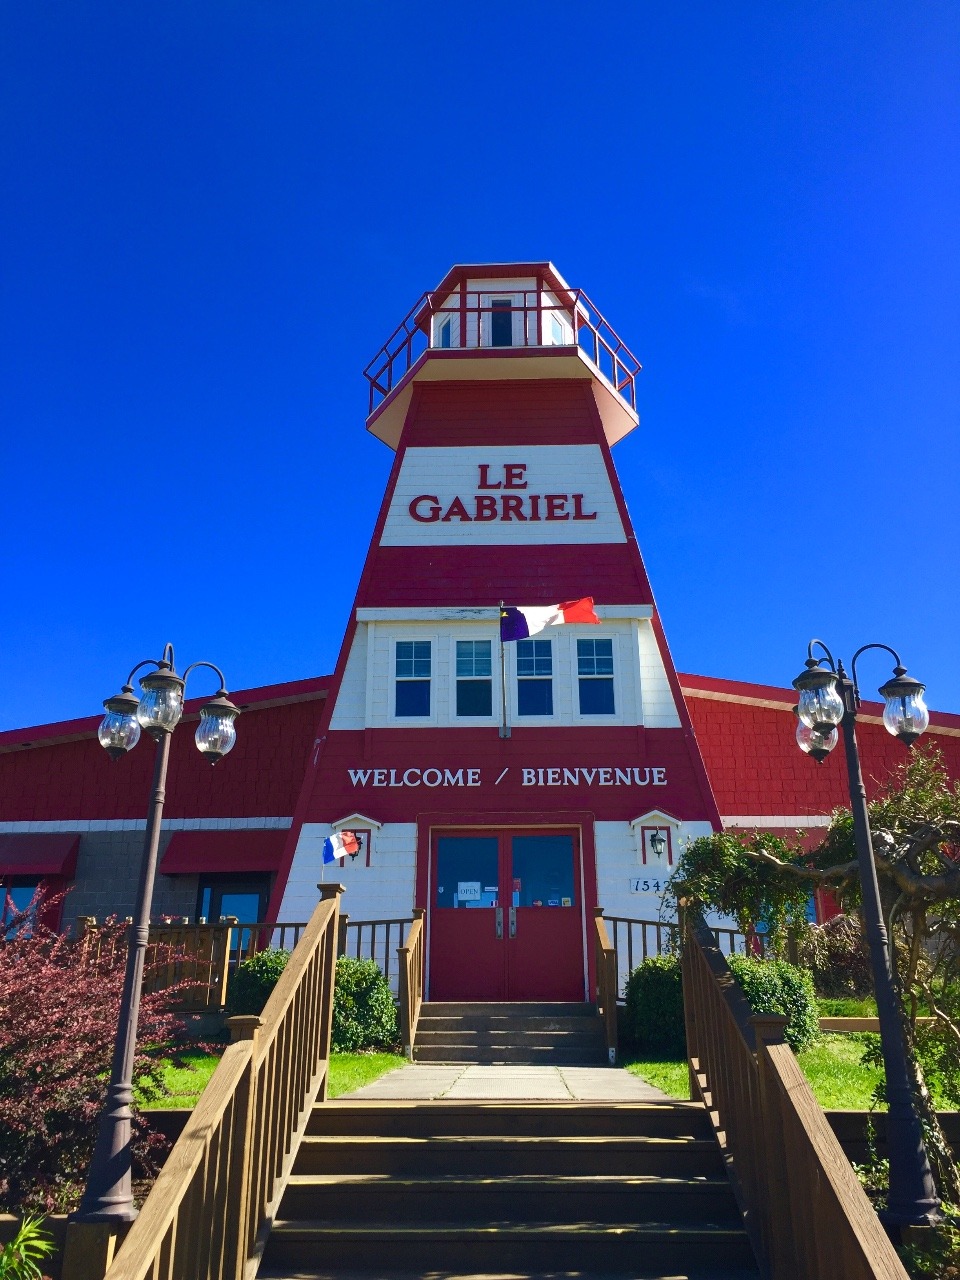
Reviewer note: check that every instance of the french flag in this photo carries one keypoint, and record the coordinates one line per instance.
(519, 622)
(339, 845)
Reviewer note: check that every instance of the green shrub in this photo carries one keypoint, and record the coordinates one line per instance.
(654, 1014)
(364, 1014)
(774, 986)
(254, 979)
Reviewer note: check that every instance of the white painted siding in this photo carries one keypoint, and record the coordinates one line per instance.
(659, 708)
(367, 695)
(382, 891)
(446, 473)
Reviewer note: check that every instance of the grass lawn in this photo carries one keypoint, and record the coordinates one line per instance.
(832, 1066)
(185, 1083)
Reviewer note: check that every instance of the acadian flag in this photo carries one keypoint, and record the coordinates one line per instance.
(521, 622)
(339, 845)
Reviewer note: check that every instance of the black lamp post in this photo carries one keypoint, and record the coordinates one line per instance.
(108, 1196)
(828, 698)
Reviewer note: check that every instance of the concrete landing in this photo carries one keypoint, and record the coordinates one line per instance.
(457, 1082)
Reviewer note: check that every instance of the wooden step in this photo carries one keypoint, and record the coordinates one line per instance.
(526, 1246)
(509, 1156)
(506, 1009)
(339, 1198)
(588, 1022)
(521, 1054)
(494, 1037)
(516, 1119)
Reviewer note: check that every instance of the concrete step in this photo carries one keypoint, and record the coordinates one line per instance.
(511, 1037)
(527, 1246)
(512, 1119)
(547, 1054)
(509, 1156)
(339, 1198)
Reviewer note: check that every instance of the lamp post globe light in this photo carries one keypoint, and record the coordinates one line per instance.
(829, 701)
(108, 1195)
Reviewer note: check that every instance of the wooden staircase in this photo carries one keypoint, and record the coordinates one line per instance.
(552, 1034)
(508, 1188)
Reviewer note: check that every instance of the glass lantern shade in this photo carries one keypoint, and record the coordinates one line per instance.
(905, 713)
(119, 730)
(161, 703)
(820, 706)
(217, 731)
(816, 743)
(658, 843)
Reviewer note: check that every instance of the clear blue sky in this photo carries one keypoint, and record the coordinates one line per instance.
(213, 214)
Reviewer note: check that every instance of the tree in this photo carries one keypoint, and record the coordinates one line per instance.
(915, 823)
(59, 1002)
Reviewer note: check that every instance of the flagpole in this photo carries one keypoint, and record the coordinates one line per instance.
(504, 727)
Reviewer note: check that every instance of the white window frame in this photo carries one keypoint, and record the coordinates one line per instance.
(514, 677)
(517, 317)
(495, 694)
(412, 721)
(613, 717)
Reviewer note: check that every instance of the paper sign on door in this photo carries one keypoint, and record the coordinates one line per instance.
(468, 891)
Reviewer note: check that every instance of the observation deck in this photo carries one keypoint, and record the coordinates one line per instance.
(496, 322)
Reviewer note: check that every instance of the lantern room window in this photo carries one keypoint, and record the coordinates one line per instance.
(501, 322)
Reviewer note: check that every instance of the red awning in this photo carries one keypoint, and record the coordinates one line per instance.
(51, 853)
(193, 852)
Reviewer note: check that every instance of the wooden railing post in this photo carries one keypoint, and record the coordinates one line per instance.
(242, 1027)
(777, 1226)
(607, 982)
(689, 1024)
(328, 892)
(410, 981)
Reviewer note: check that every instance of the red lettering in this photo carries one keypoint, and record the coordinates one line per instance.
(534, 506)
(512, 507)
(486, 507)
(485, 482)
(433, 509)
(557, 506)
(513, 474)
(578, 511)
(457, 511)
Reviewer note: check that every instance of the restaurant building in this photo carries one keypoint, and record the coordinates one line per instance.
(506, 788)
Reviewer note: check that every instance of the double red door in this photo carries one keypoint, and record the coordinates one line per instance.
(506, 919)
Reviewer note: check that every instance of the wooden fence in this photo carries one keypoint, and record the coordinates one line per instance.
(411, 957)
(211, 1209)
(634, 940)
(807, 1215)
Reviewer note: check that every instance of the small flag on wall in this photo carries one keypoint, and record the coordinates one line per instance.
(339, 845)
(521, 622)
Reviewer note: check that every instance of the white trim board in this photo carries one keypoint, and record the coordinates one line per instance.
(487, 613)
(45, 826)
(790, 820)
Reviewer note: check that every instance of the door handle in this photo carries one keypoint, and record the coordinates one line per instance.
(513, 922)
(499, 922)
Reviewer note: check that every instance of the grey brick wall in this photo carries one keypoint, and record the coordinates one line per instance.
(108, 868)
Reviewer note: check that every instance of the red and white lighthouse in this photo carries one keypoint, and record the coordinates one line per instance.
(505, 788)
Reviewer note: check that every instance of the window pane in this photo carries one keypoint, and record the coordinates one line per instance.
(535, 697)
(413, 697)
(468, 873)
(474, 697)
(543, 871)
(596, 697)
(473, 658)
(245, 906)
(534, 658)
(595, 657)
(413, 659)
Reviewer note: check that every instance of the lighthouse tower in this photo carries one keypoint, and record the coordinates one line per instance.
(507, 788)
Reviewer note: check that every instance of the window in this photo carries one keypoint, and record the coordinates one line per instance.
(244, 897)
(413, 678)
(534, 678)
(556, 328)
(595, 669)
(446, 334)
(474, 682)
(16, 898)
(501, 322)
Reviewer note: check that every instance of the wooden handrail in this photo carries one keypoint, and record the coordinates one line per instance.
(607, 982)
(212, 1206)
(411, 957)
(806, 1213)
